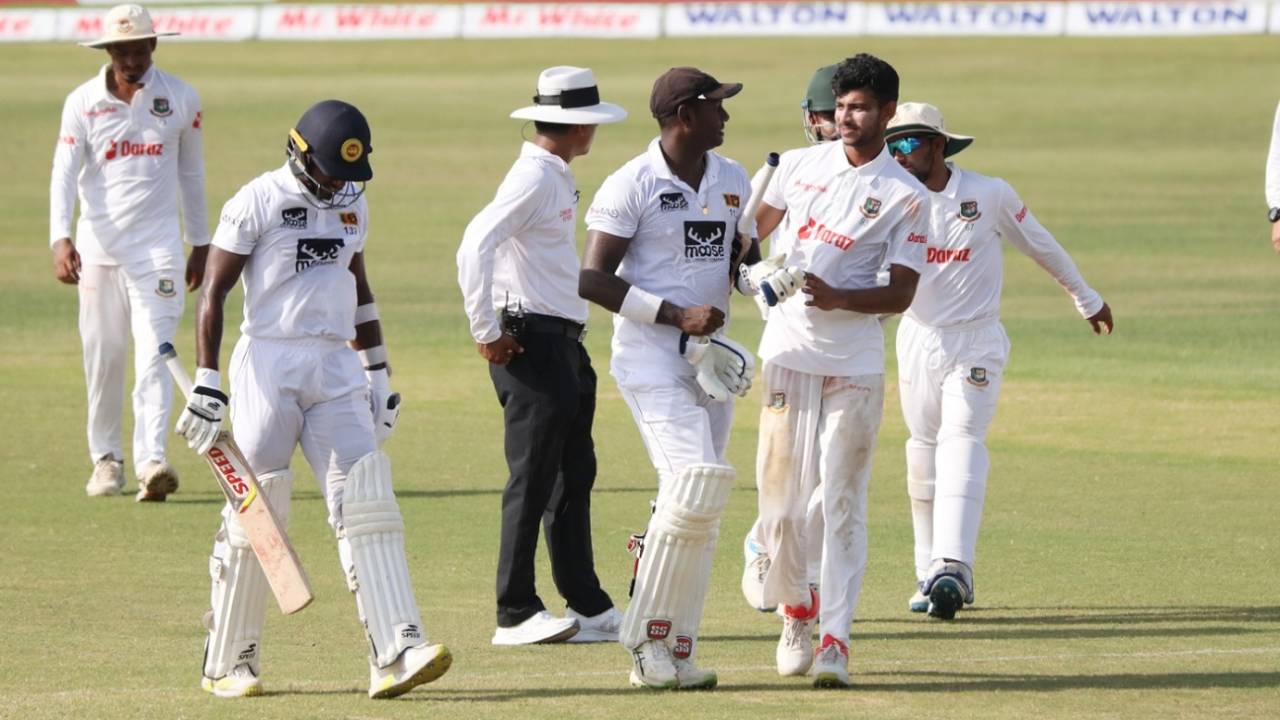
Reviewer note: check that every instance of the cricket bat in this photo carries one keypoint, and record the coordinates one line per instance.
(758, 185)
(270, 543)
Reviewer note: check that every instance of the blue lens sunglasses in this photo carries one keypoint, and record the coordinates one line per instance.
(904, 146)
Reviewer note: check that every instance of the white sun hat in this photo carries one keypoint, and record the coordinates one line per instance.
(914, 117)
(568, 95)
(126, 23)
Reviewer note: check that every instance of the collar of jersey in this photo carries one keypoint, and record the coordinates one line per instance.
(840, 161)
(953, 184)
(103, 95)
(658, 164)
(533, 150)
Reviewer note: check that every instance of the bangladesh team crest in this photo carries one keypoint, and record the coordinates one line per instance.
(778, 401)
(871, 208)
(969, 211)
(165, 288)
(160, 107)
(978, 377)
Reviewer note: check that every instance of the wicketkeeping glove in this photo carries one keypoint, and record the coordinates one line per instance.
(771, 280)
(724, 367)
(384, 404)
(201, 421)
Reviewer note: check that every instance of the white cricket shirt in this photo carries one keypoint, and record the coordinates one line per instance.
(964, 263)
(128, 162)
(681, 243)
(520, 248)
(846, 223)
(1273, 164)
(297, 280)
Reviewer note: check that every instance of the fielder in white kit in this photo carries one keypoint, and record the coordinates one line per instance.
(853, 210)
(297, 234)
(952, 348)
(129, 145)
(661, 243)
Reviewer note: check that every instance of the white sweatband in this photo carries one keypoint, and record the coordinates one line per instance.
(640, 306)
(373, 356)
(366, 313)
(208, 378)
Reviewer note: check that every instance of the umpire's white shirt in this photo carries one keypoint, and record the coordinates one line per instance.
(681, 242)
(964, 262)
(846, 223)
(297, 281)
(127, 163)
(520, 248)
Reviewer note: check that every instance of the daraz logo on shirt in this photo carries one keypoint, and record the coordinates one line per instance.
(813, 230)
(126, 149)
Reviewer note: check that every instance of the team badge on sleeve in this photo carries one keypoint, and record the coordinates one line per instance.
(969, 211)
(871, 208)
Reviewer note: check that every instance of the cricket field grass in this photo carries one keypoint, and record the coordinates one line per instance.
(1126, 561)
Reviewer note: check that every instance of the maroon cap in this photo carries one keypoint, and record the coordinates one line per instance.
(682, 84)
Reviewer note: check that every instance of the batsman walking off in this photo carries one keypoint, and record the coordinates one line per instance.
(297, 234)
(952, 348)
(853, 209)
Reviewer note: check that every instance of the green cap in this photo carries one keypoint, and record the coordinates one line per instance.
(820, 97)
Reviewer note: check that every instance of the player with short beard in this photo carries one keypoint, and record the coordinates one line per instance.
(309, 370)
(853, 209)
(952, 348)
(129, 145)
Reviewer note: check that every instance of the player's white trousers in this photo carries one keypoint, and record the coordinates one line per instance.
(949, 382)
(142, 299)
(311, 393)
(816, 431)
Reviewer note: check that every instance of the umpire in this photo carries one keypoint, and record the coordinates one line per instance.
(518, 270)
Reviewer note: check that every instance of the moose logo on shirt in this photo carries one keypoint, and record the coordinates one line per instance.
(703, 240)
(672, 202)
(294, 218)
(314, 252)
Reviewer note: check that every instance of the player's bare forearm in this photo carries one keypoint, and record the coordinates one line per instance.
(195, 267)
(895, 297)
(599, 283)
(222, 272)
(368, 334)
(768, 218)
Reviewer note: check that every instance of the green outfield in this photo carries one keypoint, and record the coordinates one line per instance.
(1126, 567)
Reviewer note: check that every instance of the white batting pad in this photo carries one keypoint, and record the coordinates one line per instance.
(239, 594)
(671, 581)
(371, 546)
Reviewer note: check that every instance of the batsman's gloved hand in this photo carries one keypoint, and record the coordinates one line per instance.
(724, 367)
(201, 421)
(769, 279)
(384, 404)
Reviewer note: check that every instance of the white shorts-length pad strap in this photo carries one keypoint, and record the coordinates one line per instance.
(371, 546)
(671, 581)
(239, 593)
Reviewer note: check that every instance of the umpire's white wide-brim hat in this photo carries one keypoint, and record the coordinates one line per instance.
(569, 95)
(126, 23)
(913, 117)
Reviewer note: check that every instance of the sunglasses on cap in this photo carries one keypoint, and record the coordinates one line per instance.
(904, 146)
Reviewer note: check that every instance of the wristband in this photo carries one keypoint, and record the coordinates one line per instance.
(640, 306)
(208, 378)
(376, 355)
(366, 313)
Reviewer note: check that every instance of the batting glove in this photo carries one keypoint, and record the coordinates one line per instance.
(770, 280)
(384, 404)
(724, 367)
(201, 421)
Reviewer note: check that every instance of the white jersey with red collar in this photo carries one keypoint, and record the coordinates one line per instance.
(845, 223)
(964, 263)
(681, 243)
(127, 163)
(297, 281)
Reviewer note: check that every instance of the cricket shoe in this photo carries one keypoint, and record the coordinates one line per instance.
(107, 478)
(691, 677)
(542, 627)
(415, 666)
(919, 602)
(795, 647)
(831, 664)
(240, 682)
(597, 628)
(156, 481)
(754, 572)
(652, 666)
(948, 587)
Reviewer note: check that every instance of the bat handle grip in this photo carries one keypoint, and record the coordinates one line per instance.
(174, 365)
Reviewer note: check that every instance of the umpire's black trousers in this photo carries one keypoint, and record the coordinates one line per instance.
(548, 397)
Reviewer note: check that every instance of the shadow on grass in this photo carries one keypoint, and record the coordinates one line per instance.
(1135, 614)
(933, 632)
(908, 681)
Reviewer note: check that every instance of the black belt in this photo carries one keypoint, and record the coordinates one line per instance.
(552, 325)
